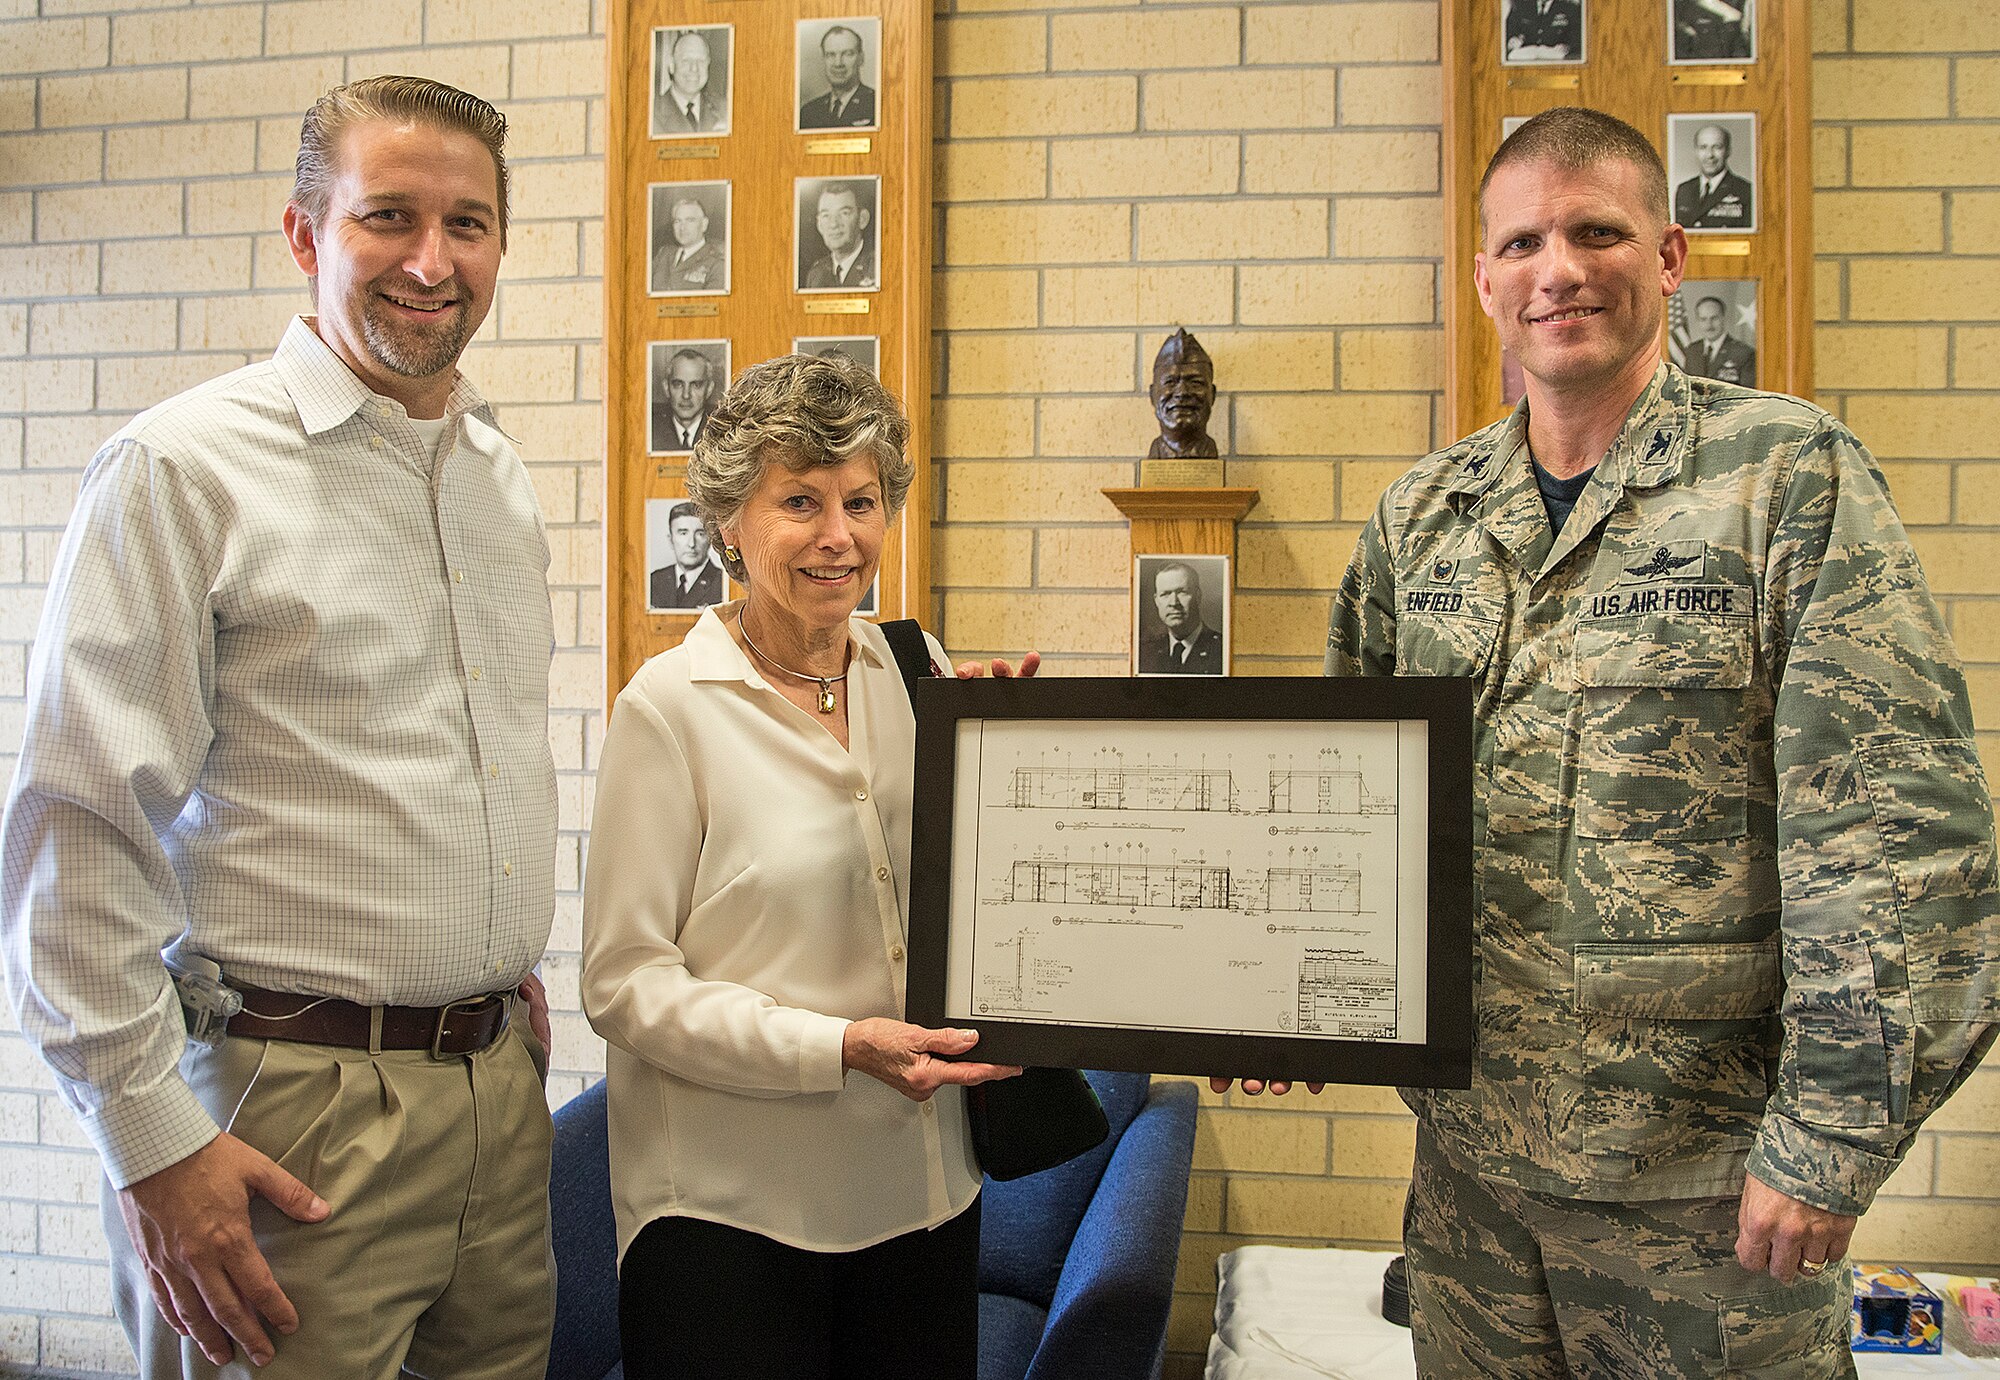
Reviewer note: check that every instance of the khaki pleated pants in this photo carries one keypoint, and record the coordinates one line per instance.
(436, 1256)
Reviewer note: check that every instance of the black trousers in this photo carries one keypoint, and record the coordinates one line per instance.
(701, 1301)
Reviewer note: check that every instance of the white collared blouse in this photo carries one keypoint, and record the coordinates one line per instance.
(746, 900)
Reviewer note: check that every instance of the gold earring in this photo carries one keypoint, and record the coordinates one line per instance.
(731, 554)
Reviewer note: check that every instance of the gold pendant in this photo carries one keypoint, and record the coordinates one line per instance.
(826, 700)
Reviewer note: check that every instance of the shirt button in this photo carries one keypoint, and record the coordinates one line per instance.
(493, 770)
(881, 874)
(506, 869)
(930, 1109)
(375, 441)
(897, 953)
(861, 795)
(458, 576)
(476, 673)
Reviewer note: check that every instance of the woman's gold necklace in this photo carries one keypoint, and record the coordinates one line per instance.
(827, 703)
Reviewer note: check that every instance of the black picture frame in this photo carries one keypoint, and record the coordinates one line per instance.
(1444, 1056)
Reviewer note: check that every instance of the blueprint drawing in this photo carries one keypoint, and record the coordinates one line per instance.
(1234, 877)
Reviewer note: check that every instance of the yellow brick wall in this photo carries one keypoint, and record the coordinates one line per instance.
(1265, 173)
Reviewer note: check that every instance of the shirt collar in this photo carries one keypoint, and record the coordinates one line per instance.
(1646, 453)
(714, 655)
(327, 393)
(844, 264)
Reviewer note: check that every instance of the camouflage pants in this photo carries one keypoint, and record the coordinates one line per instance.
(1526, 1286)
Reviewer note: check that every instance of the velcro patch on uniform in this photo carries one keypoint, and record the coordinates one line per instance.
(1443, 570)
(1674, 560)
(1715, 601)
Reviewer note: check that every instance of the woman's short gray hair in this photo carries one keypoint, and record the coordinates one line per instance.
(801, 411)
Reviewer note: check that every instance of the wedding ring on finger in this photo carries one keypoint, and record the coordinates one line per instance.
(1812, 1269)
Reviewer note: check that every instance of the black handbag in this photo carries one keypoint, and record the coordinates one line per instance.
(1045, 1117)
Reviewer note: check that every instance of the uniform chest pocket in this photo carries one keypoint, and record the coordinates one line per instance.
(1663, 742)
(1443, 632)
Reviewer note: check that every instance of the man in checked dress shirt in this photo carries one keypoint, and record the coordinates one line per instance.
(289, 707)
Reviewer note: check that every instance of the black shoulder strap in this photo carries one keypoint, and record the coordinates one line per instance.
(913, 654)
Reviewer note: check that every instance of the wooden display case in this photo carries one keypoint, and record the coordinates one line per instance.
(1628, 68)
(741, 156)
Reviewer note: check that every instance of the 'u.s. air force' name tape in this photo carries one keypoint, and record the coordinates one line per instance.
(1717, 601)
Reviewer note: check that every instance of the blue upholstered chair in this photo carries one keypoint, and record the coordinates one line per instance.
(586, 1243)
(1076, 1267)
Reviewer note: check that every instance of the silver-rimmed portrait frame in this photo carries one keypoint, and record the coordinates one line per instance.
(1685, 34)
(1738, 179)
(864, 350)
(812, 89)
(817, 267)
(659, 362)
(1515, 15)
(666, 276)
(716, 105)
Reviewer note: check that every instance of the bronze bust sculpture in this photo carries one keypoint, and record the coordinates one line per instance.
(1183, 394)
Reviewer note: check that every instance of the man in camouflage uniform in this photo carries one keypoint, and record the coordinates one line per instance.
(1736, 894)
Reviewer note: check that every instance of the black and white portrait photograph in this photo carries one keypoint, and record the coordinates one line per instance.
(836, 236)
(839, 73)
(684, 378)
(1510, 123)
(1711, 31)
(683, 571)
(871, 602)
(687, 226)
(1712, 329)
(1712, 166)
(864, 350)
(1180, 615)
(691, 75)
(1536, 32)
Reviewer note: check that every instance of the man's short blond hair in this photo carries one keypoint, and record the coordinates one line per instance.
(1574, 136)
(401, 100)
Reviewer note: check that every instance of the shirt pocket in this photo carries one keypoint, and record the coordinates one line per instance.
(1444, 632)
(1676, 1039)
(1663, 742)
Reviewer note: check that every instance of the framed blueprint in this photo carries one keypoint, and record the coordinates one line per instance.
(1254, 877)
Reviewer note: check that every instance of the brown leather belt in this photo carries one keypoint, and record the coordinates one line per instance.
(459, 1027)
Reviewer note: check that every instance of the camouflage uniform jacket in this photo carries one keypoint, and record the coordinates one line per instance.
(1735, 854)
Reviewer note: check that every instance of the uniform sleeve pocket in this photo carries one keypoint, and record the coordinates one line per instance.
(1679, 982)
(1935, 820)
(1836, 1063)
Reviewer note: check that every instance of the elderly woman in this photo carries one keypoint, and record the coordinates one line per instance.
(794, 1188)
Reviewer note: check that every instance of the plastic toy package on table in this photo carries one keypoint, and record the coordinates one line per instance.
(1894, 1311)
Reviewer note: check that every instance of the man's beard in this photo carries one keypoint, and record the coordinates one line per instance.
(412, 350)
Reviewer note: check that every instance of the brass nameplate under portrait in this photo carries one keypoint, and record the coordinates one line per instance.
(839, 306)
(1544, 81)
(1180, 474)
(665, 310)
(1710, 76)
(850, 143)
(1718, 249)
(668, 152)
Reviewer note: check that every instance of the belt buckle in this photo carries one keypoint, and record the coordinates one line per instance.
(444, 1015)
